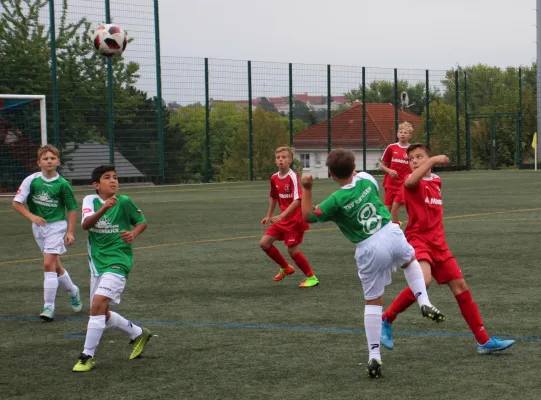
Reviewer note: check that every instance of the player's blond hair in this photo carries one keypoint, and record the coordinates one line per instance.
(48, 148)
(406, 126)
(284, 148)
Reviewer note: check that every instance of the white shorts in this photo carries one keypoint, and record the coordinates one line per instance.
(380, 254)
(50, 238)
(109, 285)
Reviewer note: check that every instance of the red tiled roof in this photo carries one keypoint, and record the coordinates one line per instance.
(347, 128)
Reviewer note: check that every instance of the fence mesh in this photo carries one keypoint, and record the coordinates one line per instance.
(221, 119)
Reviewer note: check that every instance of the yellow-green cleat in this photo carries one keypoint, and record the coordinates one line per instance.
(84, 364)
(139, 343)
(311, 281)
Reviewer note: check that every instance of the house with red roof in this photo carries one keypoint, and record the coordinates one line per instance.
(346, 132)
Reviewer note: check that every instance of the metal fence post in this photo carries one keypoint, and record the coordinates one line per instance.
(395, 105)
(457, 105)
(54, 77)
(159, 100)
(111, 113)
(363, 100)
(250, 122)
(208, 166)
(467, 122)
(519, 122)
(427, 105)
(291, 104)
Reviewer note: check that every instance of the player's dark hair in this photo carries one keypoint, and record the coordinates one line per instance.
(99, 171)
(415, 146)
(341, 163)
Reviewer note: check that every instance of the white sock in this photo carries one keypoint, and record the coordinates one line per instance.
(372, 326)
(118, 322)
(50, 286)
(416, 282)
(96, 325)
(66, 283)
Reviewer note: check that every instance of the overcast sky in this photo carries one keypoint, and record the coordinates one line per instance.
(424, 34)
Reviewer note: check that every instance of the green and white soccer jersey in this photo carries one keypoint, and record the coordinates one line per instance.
(355, 208)
(47, 198)
(107, 252)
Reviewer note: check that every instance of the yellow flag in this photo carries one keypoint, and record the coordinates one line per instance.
(534, 141)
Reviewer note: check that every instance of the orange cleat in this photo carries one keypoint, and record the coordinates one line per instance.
(283, 273)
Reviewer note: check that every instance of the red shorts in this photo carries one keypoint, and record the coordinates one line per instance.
(291, 235)
(442, 262)
(392, 195)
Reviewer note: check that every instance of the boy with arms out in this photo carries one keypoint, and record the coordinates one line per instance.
(288, 225)
(49, 196)
(380, 245)
(422, 199)
(108, 218)
(395, 164)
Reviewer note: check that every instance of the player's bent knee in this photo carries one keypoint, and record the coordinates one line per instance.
(458, 286)
(100, 305)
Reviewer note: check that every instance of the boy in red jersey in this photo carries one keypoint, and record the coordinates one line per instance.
(395, 164)
(422, 198)
(289, 225)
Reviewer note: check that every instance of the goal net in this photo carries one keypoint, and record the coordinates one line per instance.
(23, 129)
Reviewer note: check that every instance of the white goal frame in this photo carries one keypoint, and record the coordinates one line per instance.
(42, 110)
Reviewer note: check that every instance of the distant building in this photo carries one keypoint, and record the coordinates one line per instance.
(311, 144)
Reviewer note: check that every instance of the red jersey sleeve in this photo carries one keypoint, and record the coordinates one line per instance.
(273, 192)
(387, 155)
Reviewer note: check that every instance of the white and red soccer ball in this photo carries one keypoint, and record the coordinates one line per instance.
(109, 40)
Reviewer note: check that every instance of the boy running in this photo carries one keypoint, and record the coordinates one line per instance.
(380, 245)
(49, 196)
(395, 164)
(288, 225)
(422, 199)
(109, 218)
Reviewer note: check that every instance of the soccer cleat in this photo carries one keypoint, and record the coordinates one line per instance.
(373, 369)
(139, 343)
(431, 312)
(47, 314)
(283, 273)
(311, 281)
(494, 345)
(386, 338)
(76, 303)
(84, 364)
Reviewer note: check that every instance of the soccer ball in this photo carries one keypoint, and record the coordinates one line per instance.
(109, 40)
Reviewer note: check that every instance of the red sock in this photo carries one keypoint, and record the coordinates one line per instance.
(276, 256)
(303, 264)
(400, 304)
(470, 312)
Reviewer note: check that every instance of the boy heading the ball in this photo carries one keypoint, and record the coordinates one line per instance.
(109, 219)
(288, 225)
(422, 198)
(395, 164)
(380, 245)
(48, 196)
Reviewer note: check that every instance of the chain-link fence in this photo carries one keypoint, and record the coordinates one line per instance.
(174, 119)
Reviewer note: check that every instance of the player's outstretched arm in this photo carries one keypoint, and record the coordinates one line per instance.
(21, 209)
(272, 206)
(92, 220)
(129, 236)
(306, 202)
(418, 174)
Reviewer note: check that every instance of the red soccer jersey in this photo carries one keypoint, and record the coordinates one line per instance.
(286, 189)
(395, 157)
(425, 211)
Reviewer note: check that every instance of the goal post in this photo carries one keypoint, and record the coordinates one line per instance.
(42, 110)
(23, 129)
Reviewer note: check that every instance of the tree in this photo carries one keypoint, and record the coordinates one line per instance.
(25, 66)
(383, 92)
(266, 105)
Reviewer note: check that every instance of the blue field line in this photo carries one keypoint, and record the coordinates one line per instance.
(277, 327)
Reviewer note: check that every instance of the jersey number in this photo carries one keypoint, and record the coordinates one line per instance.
(369, 219)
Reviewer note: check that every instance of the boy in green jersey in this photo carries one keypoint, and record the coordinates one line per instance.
(109, 218)
(48, 196)
(380, 245)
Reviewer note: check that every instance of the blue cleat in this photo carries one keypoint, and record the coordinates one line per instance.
(494, 345)
(387, 335)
